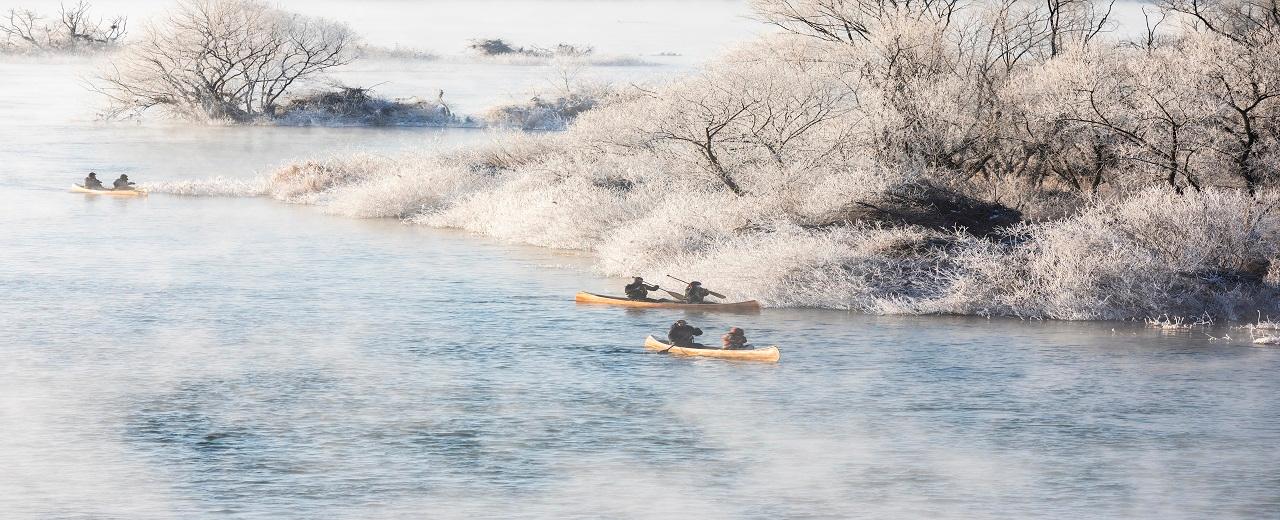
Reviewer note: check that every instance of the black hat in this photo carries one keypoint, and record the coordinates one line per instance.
(695, 282)
(93, 174)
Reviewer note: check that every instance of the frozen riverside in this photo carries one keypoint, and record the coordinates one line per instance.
(237, 357)
(1066, 177)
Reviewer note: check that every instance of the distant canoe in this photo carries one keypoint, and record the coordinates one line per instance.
(76, 188)
(586, 297)
(767, 354)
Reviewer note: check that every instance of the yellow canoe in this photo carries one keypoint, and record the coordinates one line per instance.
(586, 297)
(76, 188)
(769, 354)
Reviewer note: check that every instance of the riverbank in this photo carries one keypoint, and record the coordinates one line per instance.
(1150, 254)
(840, 171)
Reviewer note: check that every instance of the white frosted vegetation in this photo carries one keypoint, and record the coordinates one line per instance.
(1147, 254)
(74, 29)
(215, 187)
(1153, 252)
(986, 160)
(222, 60)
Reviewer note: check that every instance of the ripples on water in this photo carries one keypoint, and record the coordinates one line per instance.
(241, 358)
(190, 357)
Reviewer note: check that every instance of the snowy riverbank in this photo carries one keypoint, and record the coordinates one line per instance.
(910, 168)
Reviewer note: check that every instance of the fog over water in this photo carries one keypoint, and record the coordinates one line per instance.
(175, 357)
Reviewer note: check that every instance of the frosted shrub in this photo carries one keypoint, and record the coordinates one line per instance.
(404, 194)
(352, 106)
(368, 186)
(215, 187)
(1153, 253)
(527, 209)
(303, 182)
(73, 30)
(677, 223)
(218, 60)
(554, 204)
(554, 111)
(724, 123)
(506, 151)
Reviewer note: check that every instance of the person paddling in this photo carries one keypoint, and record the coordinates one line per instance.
(92, 183)
(736, 339)
(695, 293)
(638, 290)
(682, 333)
(122, 183)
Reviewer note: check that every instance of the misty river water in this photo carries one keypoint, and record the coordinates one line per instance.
(176, 357)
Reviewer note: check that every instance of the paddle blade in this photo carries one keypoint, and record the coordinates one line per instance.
(674, 294)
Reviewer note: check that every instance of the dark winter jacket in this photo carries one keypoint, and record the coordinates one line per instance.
(639, 290)
(681, 335)
(695, 294)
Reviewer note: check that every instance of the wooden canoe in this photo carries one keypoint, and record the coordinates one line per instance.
(586, 297)
(76, 188)
(768, 354)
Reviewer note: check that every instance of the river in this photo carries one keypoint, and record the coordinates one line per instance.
(178, 357)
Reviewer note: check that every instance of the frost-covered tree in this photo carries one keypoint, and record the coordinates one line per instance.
(851, 21)
(223, 59)
(756, 111)
(1242, 84)
(75, 29)
(1241, 21)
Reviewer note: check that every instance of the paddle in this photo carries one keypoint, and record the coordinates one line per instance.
(713, 293)
(673, 345)
(674, 294)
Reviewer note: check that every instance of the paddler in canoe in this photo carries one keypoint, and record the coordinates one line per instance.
(92, 183)
(123, 183)
(638, 290)
(682, 334)
(736, 339)
(696, 293)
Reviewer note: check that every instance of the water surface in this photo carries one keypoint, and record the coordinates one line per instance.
(175, 357)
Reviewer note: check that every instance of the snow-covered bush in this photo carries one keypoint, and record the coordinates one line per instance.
(75, 30)
(1155, 252)
(500, 47)
(497, 51)
(396, 52)
(351, 106)
(231, 60)
(540, 113)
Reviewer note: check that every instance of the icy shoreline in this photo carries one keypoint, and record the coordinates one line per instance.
(927, 163)
(1078, 268)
